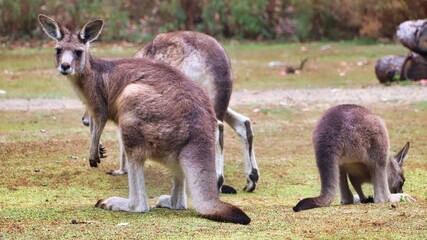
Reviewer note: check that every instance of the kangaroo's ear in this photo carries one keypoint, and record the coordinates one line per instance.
(51, 27)
(90, 31)
(402, 154)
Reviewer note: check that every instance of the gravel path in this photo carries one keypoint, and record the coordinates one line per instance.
(333, 96)
(294, 97)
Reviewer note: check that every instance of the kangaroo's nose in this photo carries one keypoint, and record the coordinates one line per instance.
(65, 66)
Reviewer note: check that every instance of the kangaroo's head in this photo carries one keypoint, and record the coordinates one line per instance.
(396, 179)
(72, 49)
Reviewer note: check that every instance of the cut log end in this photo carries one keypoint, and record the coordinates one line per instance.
(388, 69)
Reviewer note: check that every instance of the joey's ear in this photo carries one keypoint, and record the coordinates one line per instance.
(90, 31)
(402, 154)
(51, 27)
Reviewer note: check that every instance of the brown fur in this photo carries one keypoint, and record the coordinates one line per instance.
(202, 59)
(174, 47)
(162, 115)
(350, 141)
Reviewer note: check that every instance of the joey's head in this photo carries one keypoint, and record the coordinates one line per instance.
(396, 179)
(72, 49)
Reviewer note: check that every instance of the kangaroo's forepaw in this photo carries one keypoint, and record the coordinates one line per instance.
(120, 204)
(117, 172)
(369, 199)
(102, 151)
(93, 162)
(165, 201)
(252, 180)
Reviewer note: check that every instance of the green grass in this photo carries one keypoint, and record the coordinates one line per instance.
(46, 183)
(30, 73)
(250, 64)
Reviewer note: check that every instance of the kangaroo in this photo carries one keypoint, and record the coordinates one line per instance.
(202, 59)
(292, 70)
(161, 114)
(351, 141)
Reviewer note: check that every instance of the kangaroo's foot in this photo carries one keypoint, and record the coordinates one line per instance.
(401, 197)
(251, 180)
(121, 204)
(226, 189)
(165, 201)
(117, 172)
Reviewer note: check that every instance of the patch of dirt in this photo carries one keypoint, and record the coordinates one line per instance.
(295, 97)
(332, 96)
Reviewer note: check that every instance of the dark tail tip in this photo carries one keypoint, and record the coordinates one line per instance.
(309, 203)
(229, 213)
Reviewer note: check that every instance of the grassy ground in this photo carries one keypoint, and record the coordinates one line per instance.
(30, 73)
(46, 182)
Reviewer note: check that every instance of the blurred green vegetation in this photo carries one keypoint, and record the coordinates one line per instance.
(283, 20)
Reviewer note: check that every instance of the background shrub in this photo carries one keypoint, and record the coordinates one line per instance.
(284, 20)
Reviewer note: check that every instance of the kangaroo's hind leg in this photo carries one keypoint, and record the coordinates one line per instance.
(178, 197)
(137, 201)
(381, 189)
(379, 180)
(242, 126)
(219, 160)
(377, 169)
(357, 185)
(346, 194)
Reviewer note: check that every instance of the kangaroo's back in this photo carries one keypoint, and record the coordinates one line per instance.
(349, 141)
(351, 133)
(200, 57)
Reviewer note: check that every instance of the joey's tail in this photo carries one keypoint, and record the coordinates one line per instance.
(329, 175)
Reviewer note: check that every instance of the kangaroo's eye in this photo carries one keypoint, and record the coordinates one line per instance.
(58, 51)
(79, 53)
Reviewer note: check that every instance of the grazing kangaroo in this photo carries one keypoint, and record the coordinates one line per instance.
(350, 141)
(161, 115)
(202, 59)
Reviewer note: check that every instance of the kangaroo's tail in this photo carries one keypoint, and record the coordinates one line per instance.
(222, 212)
(302, 63)
(205, 196)
(329, 175)
(199, 167)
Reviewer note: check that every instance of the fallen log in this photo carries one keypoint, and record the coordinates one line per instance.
(388, 69)
(413, 35)
(414, 67)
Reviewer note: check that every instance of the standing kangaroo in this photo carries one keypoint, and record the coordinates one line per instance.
(350, 141)
(202, 59)
(161, 115)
